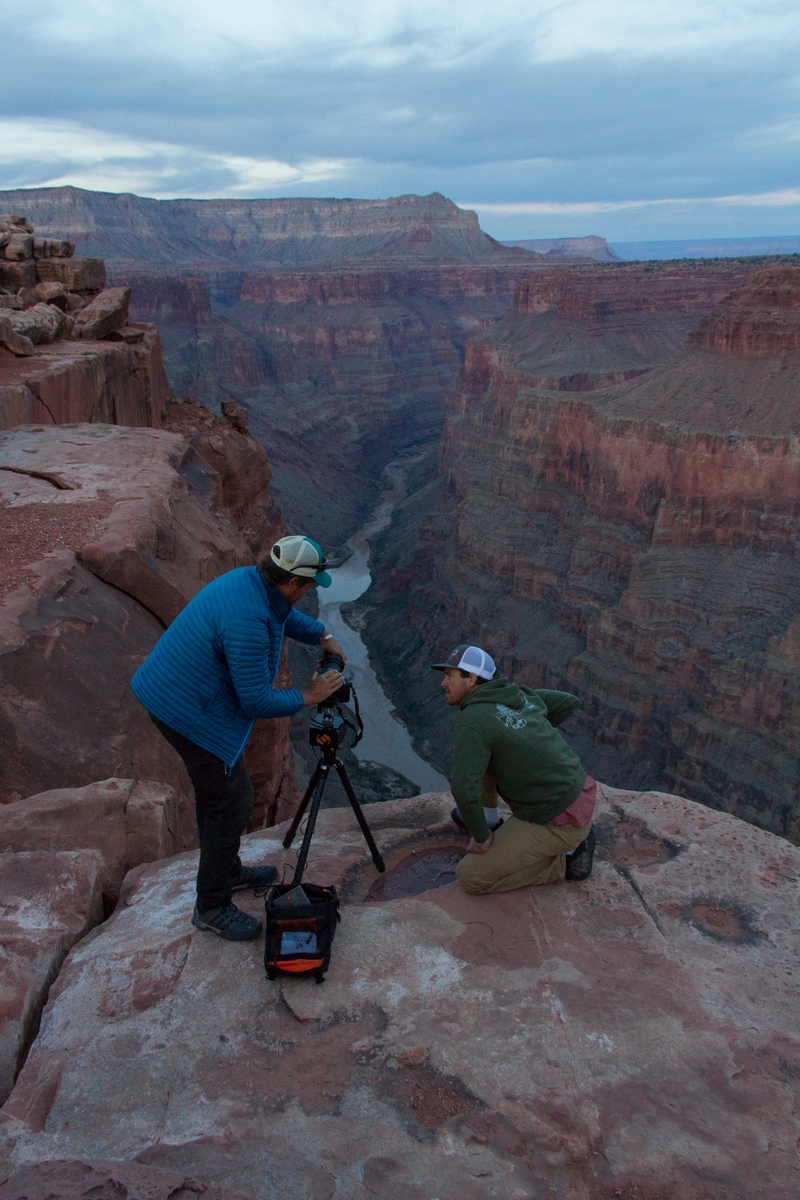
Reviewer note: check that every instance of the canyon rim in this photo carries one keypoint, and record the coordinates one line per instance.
(604, 486)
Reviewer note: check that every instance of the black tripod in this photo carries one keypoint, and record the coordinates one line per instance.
(326, 734)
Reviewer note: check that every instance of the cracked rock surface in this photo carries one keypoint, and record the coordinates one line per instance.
(634, 1035)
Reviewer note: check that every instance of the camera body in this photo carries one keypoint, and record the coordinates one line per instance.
(334, 662)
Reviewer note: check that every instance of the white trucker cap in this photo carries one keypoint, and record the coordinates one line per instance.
(471, 659)
(301, 556)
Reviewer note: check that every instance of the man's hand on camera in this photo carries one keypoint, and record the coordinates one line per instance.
(320, 687)
(479, 847)
(330, 646)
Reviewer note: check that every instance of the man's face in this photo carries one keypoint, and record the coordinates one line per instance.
(457, 686)
(295, 588)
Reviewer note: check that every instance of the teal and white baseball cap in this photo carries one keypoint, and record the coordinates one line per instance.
(301, 556)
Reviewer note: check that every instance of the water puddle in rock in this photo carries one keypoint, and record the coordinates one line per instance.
(386, 739)
(628, 842)
(418, 872)
(724, 920)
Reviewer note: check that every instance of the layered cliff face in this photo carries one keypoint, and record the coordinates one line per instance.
(339, 325)
(247, 232)
(635, 544)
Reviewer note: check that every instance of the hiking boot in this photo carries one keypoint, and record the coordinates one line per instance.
(229, 922)
(579, 864)
(455, 817)
(257, 878)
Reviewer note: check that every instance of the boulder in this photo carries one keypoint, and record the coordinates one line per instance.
(126, 822)
(17, 275)
(635, 1035)
(82, 1179)
(49, 901)
(41, 323)
(15, 223)
(104, 315)
(45, 293)
(77, 274)
(52, 248)
(11, 301)
(17, 343)
(18, 247)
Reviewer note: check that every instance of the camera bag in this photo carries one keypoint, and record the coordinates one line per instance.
(299, 936)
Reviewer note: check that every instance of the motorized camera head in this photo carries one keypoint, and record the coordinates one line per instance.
(334, 662)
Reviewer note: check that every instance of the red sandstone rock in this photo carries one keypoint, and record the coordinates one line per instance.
(155, 514)
(69, 644)
(18, 247)
(46, 293)
(68, 382)
(84, 1179)
(126, 822)
(49, 902)
(52, 248)
(104, 315)
(17, 275)
(633, 1035)
(77, 274)
(41, 323)
(17, 343)
(760, 320)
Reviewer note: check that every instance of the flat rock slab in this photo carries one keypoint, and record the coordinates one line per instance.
(635, 1035)
(80, 1179)
(125, 821)
(48, 901)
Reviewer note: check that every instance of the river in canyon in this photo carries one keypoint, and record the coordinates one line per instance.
(386, 739)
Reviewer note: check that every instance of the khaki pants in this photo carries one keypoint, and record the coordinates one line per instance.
(520, 855)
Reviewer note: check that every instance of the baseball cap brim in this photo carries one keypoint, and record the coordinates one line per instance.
(322, 579)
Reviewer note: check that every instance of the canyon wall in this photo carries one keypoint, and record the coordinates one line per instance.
(616, 515)
(107, 532)
(339, 325)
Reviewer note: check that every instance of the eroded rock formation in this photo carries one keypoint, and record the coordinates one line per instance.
(635, 543)
(633, 1035)
(107, 532)
(56, 319)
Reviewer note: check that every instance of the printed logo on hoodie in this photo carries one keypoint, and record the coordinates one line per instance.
(513, 718)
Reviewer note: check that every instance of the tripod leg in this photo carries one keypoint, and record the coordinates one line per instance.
(323, 769)
(298, 816)
(362, 820)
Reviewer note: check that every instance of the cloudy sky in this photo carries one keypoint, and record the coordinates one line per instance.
(628, 118)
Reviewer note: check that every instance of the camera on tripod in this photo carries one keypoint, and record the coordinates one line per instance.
(328, 726)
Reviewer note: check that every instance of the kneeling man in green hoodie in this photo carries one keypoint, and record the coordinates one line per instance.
(507, 742)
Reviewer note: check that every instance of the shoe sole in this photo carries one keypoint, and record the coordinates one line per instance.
(235, 937)
(242, 887)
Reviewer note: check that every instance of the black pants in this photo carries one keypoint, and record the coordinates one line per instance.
(223, 803)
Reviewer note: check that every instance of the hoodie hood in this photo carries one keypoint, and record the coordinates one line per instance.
(496, 691)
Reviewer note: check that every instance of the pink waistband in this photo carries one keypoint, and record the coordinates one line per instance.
(580, 812)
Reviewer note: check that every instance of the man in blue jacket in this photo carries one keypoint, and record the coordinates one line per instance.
(205, 683)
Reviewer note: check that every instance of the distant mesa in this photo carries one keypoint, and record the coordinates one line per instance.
(251, 233)
(591, 247)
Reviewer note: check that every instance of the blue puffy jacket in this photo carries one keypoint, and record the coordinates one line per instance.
(210, 675)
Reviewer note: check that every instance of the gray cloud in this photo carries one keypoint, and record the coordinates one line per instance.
(590, 100)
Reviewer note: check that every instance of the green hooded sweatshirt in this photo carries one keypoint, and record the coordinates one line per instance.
(509, 731)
